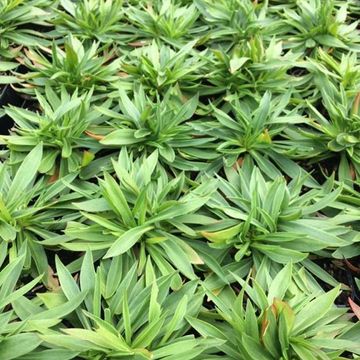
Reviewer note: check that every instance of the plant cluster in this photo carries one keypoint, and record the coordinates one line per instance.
(180, 180)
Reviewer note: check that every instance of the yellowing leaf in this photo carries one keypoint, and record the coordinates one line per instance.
(222, 235)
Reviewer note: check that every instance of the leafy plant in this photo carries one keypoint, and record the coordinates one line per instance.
(17, 339)
(274, 219)
(317, 23)
(145, 212)
(251, 67)
(141, 125)
(336, 131)
(179, 179)
(346, 71)
(267, 324)
(28, 208)
(234, 22)
(165, 20)
(91, 20)
(74, 67)
(159, 67)
(123, 316)
(254, 130)
(16, 17)
(60, 126)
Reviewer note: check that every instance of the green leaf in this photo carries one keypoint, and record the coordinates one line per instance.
(145, 338)
(121, 137)
(280, 283)
(19, 292)
(222, 236)
(25, 174)
(51, 354)
(236, 63)
(17, 345)
(67, 282)
(315, 310)
(254, 349)
(127, 240)
(116, 199)
(279, 254)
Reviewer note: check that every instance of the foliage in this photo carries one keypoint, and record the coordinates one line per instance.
(143, 125)
(61, 127)
(161, 67)
(272, 324)
(90, 20)
(338, 131)
(275, 219)
(250, 67)
(141, 317)
(75, 67)
(179, 179)
(164, 20)
(16, 17)
(327, 24)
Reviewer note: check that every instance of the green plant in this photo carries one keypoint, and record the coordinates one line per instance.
(164, 20)
(28, 209)
(253, 129)
(251, 67)
(16, 17)
(75, 67)
(91, 20)
(16, 337)
(235, 21)
(123, 317)
(335, 132)
(318, 23)
(158, 67)
(270, 323)
(256, 217)
(145, 213)
(143, 126)
(179, 179)
(60, 126)
(345, 71)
